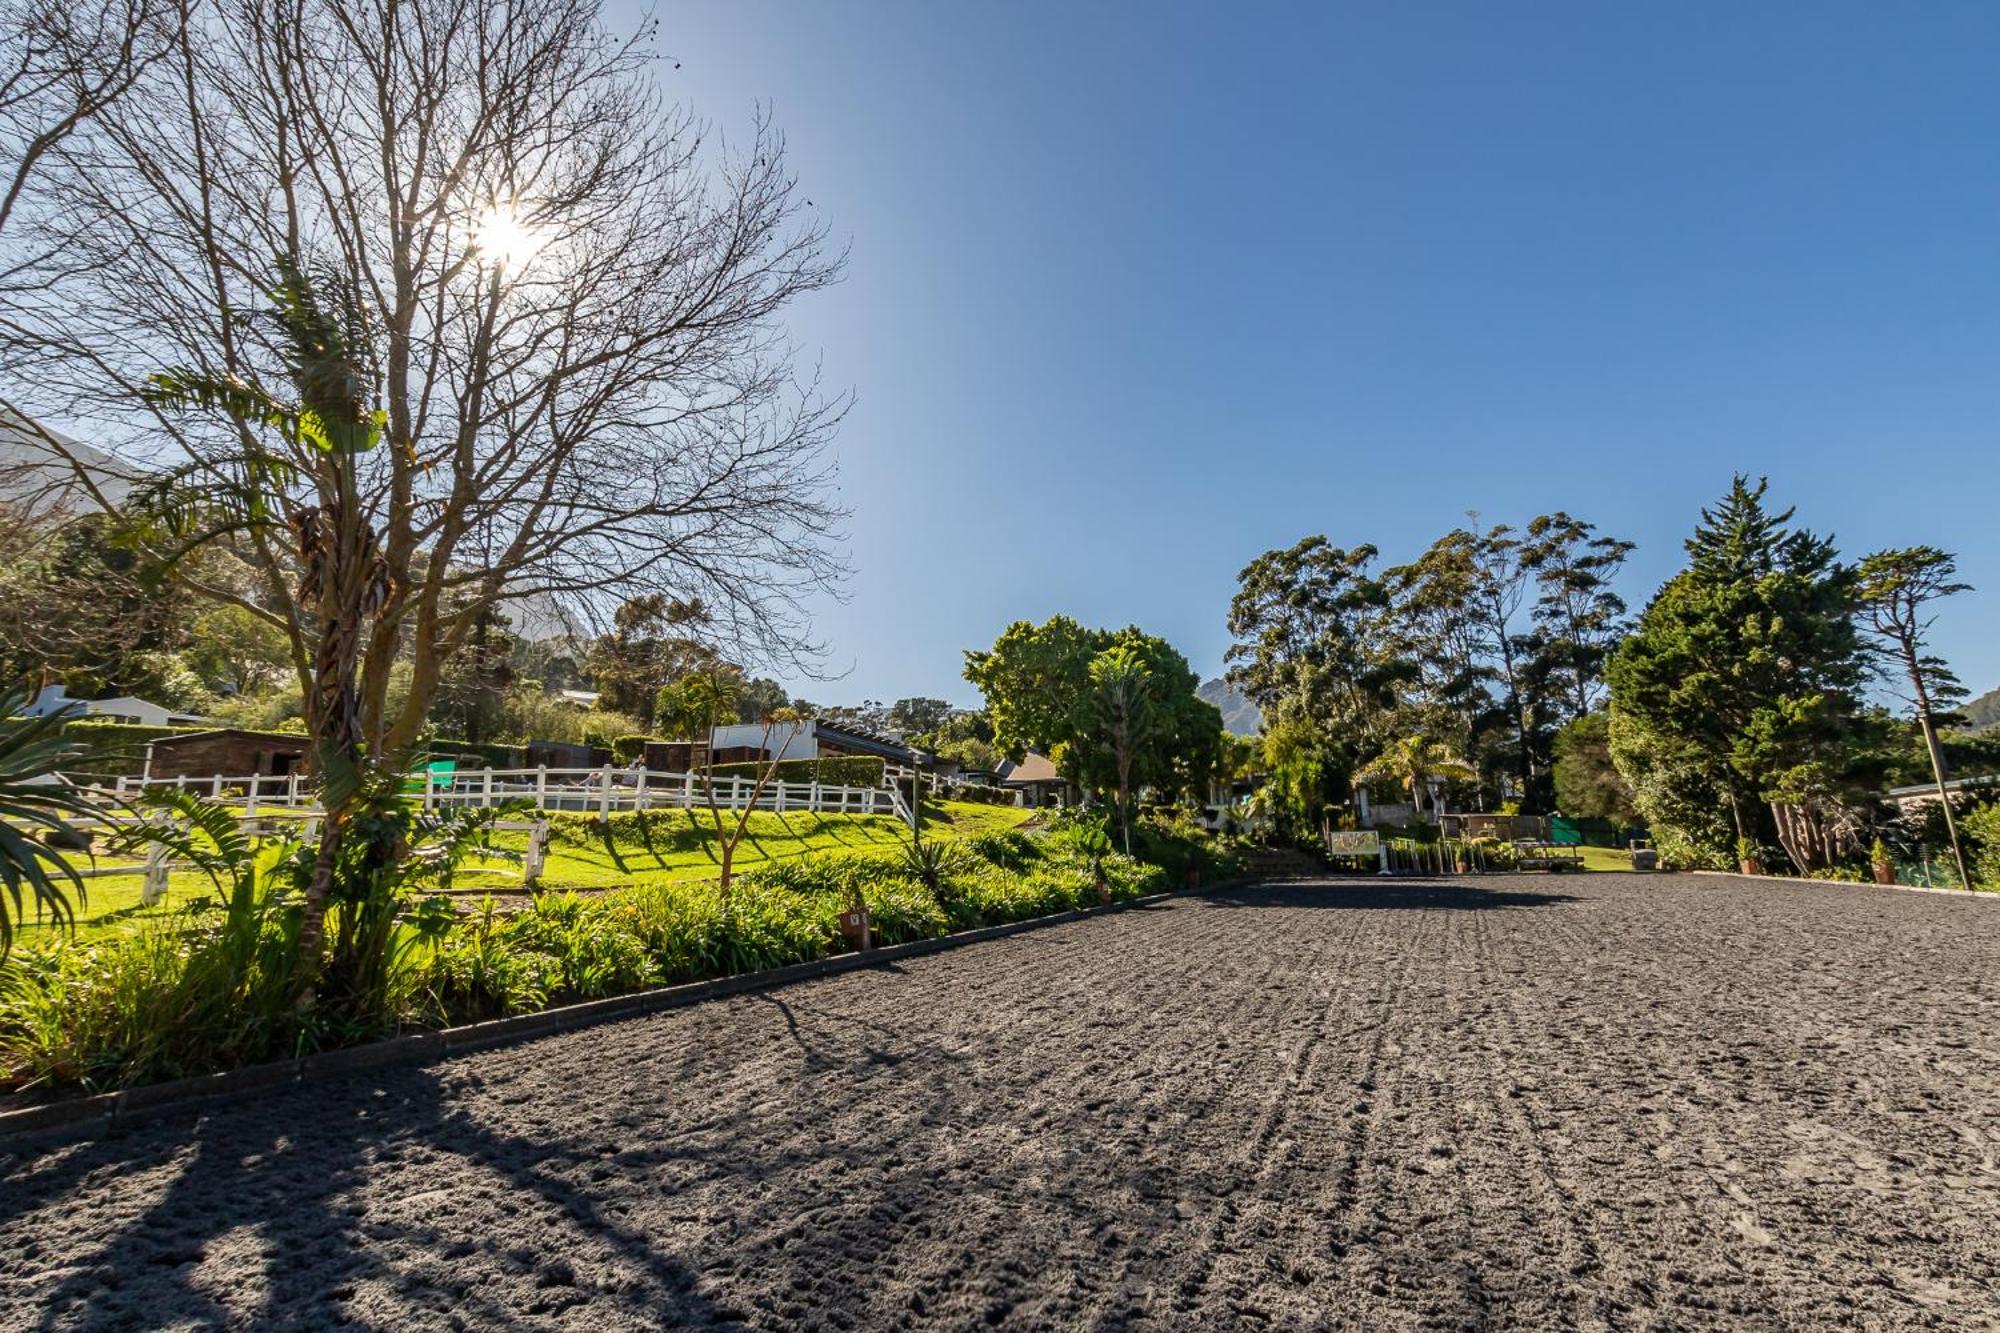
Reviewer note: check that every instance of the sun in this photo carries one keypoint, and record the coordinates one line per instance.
(502, 235)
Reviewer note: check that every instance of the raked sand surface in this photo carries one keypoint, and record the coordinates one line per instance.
(1602, 1101)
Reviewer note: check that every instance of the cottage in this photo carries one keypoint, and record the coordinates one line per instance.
(1034, 781)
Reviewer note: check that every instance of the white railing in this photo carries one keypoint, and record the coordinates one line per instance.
(599, 791)
(159, 862)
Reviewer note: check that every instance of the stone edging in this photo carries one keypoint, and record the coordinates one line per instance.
(1843, 884)
(104, 1113)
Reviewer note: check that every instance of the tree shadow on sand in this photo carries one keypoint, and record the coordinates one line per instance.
(1392, 894)
(279, 1197)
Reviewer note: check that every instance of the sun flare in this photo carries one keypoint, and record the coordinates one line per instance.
(502, 235)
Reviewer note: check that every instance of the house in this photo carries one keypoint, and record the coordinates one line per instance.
(55, 699)
(1034, 781)
(227, 752)
(812, 739)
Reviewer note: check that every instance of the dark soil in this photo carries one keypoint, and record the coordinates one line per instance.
(1596, 1101)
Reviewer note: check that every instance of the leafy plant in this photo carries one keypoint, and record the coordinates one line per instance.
(32, 797)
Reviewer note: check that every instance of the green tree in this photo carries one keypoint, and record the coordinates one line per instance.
(1897, 588)
(1040, 695)
(647, 648)
(1745, 667)
(1312, 650)
(918, 716)
(237, 652)
(1588, 783)
(1579, 616)
(1123, 685)
(1035, 680)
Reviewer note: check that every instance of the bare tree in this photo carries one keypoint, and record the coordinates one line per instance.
(63, 61)
(572, 297)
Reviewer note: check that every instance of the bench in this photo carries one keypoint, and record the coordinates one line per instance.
(1530, 854)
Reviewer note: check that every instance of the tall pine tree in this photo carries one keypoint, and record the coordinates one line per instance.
(1746, 668)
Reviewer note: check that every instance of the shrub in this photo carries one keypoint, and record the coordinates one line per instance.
(832, 770)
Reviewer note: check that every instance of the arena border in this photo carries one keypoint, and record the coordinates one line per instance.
(1844, 884)
(106, 1114)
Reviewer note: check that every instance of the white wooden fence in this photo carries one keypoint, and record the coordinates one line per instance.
(600, 791)
(159, 863)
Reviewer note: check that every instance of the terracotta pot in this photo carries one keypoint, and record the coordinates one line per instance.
(1885, 871)
(1461, 867)
(1750, 865)
(1103, 892)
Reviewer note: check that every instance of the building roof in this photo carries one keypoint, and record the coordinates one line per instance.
(1033, 768)
(1956, 784)
(294, 738)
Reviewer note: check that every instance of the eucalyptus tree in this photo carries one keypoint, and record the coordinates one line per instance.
(1577, 612)
(1313, 650)
(1897, 588)
(572, 297)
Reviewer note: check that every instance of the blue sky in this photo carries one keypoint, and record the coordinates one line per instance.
(1139, 291)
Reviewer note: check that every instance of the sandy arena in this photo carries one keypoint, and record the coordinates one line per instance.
(1598, 1101)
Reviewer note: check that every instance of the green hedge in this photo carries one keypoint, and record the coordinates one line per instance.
(487, 753)
(834, 771)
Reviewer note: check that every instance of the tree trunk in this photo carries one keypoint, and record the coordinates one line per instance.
(1928, 724)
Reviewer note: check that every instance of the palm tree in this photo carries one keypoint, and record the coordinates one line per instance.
(32, 797)
(1124, 697)
(1413, 762)
(323, 336)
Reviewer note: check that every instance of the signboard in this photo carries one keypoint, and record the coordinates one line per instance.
(1353, 842)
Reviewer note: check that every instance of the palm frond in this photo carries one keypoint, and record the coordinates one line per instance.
(34, 796)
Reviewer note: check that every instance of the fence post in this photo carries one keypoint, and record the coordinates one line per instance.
(639, 798)
(538, 846)
(813, 797)
(250, 801)
(430, 785)
(292, 789)
(687, 791)
(486, 791)
(215, 788)
(155, 886)
(780, 785)
(604, 793)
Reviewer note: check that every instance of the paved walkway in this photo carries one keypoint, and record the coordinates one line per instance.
(1598, 1101)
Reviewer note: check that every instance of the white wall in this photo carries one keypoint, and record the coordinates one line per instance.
(790, 742)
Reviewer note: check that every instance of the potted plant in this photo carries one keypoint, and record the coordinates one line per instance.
(1883, 864)
(1749, 857)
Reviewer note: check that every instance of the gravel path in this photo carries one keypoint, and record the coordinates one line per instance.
(1597, 1101)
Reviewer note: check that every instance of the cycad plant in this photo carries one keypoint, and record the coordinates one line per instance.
(34, 800)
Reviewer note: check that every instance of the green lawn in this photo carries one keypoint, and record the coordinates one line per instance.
(682, 846)
(1605, 858)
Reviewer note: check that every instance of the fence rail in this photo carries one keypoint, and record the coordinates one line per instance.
(601, 791)
(159, 862)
